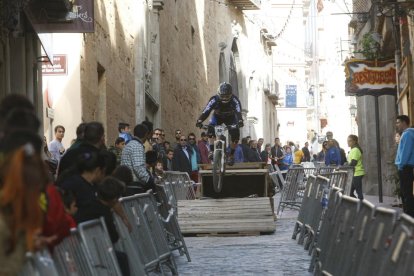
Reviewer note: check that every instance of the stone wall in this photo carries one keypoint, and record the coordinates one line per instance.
(108, 66)
(193, 34)
(190, 58)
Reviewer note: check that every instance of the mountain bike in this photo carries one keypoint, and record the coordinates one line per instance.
(219, 155)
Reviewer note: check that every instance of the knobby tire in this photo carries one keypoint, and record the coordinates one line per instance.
(217, 173)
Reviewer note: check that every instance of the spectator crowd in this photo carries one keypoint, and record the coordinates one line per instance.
(45, 189)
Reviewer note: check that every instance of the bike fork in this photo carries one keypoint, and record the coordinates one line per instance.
(220, 145)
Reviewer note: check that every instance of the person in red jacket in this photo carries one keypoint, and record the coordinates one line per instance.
(69, 202)
(204, 148)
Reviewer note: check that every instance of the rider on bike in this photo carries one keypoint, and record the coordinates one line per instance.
(227, 110)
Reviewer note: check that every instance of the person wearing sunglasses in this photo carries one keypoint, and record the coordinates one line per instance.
(182, 156)
(177, 138)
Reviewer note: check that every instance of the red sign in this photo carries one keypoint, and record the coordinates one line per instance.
(59, 67)
(370, 77)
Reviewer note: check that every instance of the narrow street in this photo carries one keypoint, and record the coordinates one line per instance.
(275, 254)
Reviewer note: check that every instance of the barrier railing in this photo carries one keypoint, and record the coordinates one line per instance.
(39, 263)
(70, 256)
(138, 244)
(98, 247)
(314, 218)
(358, 238)
(399, 258)
(350, 174)
(303, 212)
(172, 228)
(149, 209)
(290, 196)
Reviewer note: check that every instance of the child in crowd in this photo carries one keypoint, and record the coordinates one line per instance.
(167, 164)
(117, 149)
(158, 169)
(69, 202)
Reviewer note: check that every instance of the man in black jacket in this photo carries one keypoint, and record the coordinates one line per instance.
(277, 152)
(182, 156)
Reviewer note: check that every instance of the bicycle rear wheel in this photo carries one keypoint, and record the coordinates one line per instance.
(218, 171)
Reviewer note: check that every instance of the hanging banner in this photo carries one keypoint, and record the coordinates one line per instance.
(291, 95)
(75, 16)
(370, 77)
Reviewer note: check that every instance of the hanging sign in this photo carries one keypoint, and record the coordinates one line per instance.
(291, 94)
(76, 16)
(370, 77)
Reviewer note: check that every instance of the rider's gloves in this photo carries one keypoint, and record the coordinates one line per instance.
(199, 124)
(240, 123)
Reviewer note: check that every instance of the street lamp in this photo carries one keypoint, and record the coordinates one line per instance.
(353, 110)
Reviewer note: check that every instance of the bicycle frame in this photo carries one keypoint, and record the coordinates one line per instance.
(220, 144)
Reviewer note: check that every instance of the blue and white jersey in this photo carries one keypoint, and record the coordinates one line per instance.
(222, 110)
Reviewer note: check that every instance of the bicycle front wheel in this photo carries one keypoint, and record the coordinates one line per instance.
(218, 171)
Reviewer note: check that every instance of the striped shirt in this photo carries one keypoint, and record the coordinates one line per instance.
(133, 156)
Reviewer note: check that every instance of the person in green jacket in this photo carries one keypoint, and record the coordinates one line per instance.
(355, 160)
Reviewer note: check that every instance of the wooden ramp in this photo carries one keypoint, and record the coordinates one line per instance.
(226, 216)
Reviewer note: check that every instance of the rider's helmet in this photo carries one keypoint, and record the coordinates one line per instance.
(224, 92)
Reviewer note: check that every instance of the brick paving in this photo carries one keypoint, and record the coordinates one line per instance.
(273, 254)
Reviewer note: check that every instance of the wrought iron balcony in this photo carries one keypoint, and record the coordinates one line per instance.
(247, 4)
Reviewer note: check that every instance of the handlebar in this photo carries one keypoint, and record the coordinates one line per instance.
(226, 127)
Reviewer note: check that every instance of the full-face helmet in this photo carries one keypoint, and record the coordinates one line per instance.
(224, 92)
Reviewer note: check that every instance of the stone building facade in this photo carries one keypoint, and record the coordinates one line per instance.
(213, 43)
(117, 63)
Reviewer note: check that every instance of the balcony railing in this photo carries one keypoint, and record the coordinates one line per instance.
(247, 4)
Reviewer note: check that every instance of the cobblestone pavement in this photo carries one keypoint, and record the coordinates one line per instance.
(274, 254)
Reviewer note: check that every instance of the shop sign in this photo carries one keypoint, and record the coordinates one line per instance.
(370, 77)
(58, 67)
(76, 18)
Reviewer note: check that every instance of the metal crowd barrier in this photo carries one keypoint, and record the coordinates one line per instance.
(325, 169)
(399, 257)
(326, 226)
(315, 207)
(172, 228)
(99, 248)
(357, 238)
(350, 174)
(178, 186)
(382, 229)
(304, 209)
(173, 176)
(146, 244)
(70, 256)
(356, 241)
(290, 196)
(149, 209)
(39, 263)
(346, 210)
